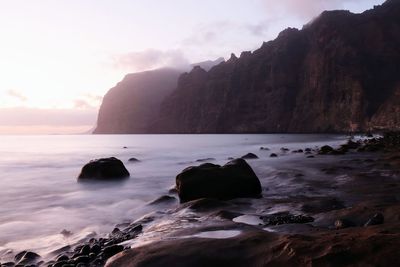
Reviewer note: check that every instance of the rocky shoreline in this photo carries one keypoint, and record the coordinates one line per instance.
(358, 225)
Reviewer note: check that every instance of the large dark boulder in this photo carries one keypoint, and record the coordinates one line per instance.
(236, 179)
(104, 169)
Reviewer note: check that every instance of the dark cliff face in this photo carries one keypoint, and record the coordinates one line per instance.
(135, 102)
(339, 73)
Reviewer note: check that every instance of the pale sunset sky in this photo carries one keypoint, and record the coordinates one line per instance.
(59, 57)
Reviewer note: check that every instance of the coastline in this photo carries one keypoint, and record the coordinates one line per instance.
(209, 226)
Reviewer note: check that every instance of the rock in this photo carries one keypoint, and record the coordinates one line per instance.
(26, 258)
(205, 204)
(250, 156)
(104, 169)
(273, 155)
(95, 249)
(325, 150)
(264, 148)
(308, 150)
(235, 179)
(85, 250)
(66, 233)
(285, 218)
(205, 159)
(133, 160)
(310, 157)
(163, 200)
(82, 259)
(375, 220)
(298, 151)
(112, 250)
(343, 223)
(284, 149)
(62, 257)
(322, 205)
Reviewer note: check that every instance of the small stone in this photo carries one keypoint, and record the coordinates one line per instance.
(82, 259)
(273, 155)
(85, 250)
(95, 249)
(62, 258)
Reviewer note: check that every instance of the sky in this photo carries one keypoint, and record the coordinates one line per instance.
(59, 57)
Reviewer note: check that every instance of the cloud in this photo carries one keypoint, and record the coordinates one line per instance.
(208, 33)
(18, 95)
(88, 101)
(303, 9)
(150, 59)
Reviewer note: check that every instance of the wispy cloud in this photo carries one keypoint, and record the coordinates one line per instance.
(303, 9)
(150, 59)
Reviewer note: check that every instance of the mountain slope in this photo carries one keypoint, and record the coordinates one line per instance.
(134, 102)
(339, 73)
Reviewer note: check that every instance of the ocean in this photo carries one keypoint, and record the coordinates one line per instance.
(43, 207)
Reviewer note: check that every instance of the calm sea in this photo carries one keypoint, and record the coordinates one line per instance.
(40, 196)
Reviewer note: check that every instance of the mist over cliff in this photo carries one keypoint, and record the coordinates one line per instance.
(341, 72)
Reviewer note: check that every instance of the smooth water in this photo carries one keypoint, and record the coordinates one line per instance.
(40, 196)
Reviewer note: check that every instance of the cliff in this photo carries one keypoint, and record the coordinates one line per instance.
(339, 73)
(135, 101)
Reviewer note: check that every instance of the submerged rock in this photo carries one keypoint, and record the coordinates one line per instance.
(104, 169)
(250, 156)
(205, 159)
(133, 160)
(326, 150)
(236, 179)
(273, 155)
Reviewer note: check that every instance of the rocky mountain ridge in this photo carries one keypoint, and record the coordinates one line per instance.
(339, 73)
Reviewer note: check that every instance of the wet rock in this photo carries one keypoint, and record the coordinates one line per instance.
(62, 258)
(264, 148)
(343, 223)
(8, 264)
(377, 219)
(104, 169)
(60, 264)
(133, 160)
(110, 251)
(273, 155)
(285, 218)
(26, 258)
(95, 249)
(308, 150)
(205, 160)
(66, 233)
(205, 204)
(298, 151)
(250, 156)
(284, 149)
(322, 205)
(236, 179)
(85, 250)
(163, 200)
(325, 150)
(310, 157)
(82, 259)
